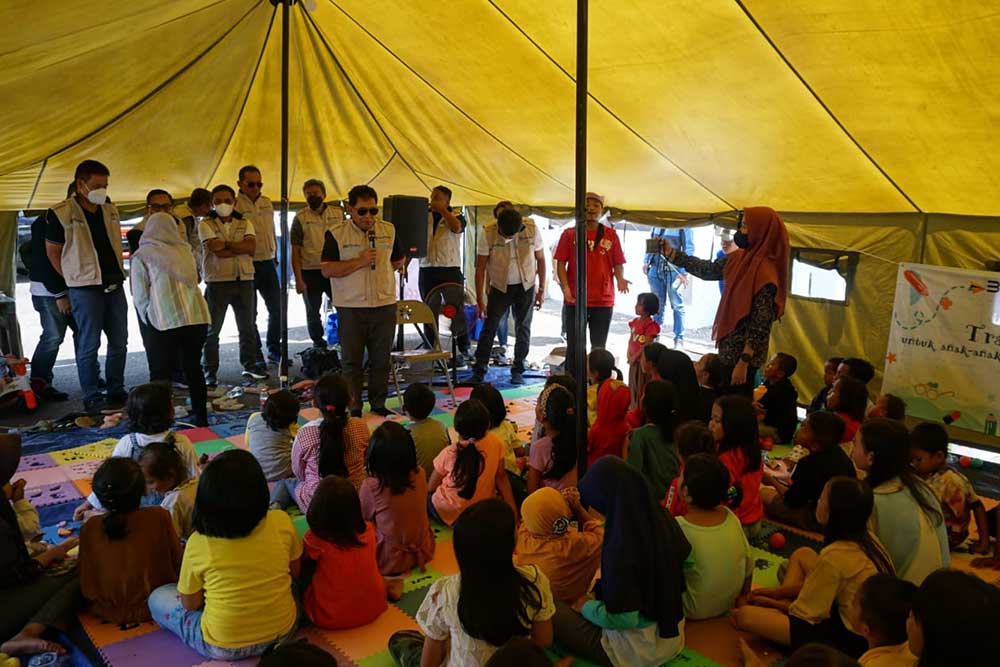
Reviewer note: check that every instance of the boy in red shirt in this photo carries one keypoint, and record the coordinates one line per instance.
(643, 330)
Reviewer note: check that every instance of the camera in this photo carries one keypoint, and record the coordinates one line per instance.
(653, 246)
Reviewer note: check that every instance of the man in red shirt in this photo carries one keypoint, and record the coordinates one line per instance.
(605, 260)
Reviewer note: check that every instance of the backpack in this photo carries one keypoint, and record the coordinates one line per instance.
(317, 362)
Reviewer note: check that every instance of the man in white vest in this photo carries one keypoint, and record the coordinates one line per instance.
(511, 254)
(361, 256)
(443, 263)
(307, 235)
(259, 210)
(198, 205)
(83, 241)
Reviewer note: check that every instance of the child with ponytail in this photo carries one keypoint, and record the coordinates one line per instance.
(553, 460)
(167, 474)
(470, 470)
(130, 550)
(608, 400)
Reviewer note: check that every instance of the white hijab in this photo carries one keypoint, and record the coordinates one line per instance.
(162, 248)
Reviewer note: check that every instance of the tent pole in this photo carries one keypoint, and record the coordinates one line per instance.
(579, 362)
(283, 367)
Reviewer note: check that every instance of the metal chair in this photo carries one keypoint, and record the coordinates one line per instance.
(419, 313)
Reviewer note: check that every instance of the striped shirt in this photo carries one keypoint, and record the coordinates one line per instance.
(164, 303)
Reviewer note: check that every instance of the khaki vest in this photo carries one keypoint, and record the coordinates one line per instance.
(80, 265)
(521, 251)
(261, 214)
(314, 228)
(365, 288)
(444, 247)
(215, 269)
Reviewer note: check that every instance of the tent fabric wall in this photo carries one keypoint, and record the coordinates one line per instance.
(8, 251)
(962, 241)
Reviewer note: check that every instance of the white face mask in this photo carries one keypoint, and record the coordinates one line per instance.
(98, 196)
(224, 210)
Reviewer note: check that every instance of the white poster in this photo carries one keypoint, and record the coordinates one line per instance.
(944, 346)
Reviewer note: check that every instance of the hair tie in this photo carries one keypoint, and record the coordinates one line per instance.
(330, 408)
(560, 526)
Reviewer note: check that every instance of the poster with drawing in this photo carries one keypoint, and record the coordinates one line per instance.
(943, 357)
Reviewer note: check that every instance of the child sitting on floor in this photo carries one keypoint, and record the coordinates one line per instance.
(566, 382)
(848, 398)
(710, 374)
(394, 499)
(234, 596)
(959, 502)
(347, 590)
(166, 474)
(779, 404)
(795, 502)
(470, 470)
(829, 375)
(650, 361)
(514, 453)
(692, 437)
(269, 435)
(553, 457)
(429, 435)
(150, 414)
(127, 552)
(719, 568)
(568, 556)
(813, 602)
(734, 427)
(880, 610)
(466, 617)
(643, 330)
(608, 399)
(890, 406)
(953, 621)
(650, 448)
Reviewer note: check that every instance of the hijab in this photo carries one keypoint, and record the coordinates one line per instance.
(747, 271)
(644, 549)
(162, 248)
(545, 513)
(15, 564)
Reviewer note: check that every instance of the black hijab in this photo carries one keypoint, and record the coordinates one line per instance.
(644, 549)
(15, 564)
(677, 368)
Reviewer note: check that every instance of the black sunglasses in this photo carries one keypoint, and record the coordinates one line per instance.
(365, 211)
(253, 184)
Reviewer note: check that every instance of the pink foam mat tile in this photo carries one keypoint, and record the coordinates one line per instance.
(53, 494)
(82, 469)
(34, 462)
(43, 477)
(238, 440)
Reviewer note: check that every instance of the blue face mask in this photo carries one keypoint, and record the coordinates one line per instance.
(741, 240)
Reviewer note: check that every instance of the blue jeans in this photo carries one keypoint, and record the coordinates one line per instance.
(97, 311)
(54, 325)
(165, 606)
(662, 285)
(283, 493)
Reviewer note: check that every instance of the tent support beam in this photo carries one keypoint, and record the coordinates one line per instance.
(578, 363)
(283, 362)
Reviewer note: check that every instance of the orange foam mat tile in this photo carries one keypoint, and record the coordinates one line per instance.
(360, 643)
(444, 560)
(238, 440)
(963, 562)
(104, 634)
(718, 640)
(84, 486)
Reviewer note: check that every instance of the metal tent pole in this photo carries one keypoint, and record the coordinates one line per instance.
(579, 362)
(285, 16)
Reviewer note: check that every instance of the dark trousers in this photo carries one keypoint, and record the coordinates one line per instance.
(52, 601)
(598, 323)
(371, 329)
(239, 295)
(188, 341)
(522, 302)
(265, 280)
(433, 276)
(745, 389)
(316, 286)
(97, 312)
(578, 635)
(54, 324)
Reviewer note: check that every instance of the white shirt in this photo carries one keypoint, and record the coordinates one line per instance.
(261, 214)
(38, 289)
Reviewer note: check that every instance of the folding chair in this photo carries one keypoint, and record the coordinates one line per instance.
(419, 313)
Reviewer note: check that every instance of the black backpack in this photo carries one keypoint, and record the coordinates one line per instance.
(316, 362)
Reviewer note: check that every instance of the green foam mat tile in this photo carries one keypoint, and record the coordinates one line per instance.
(417, 579)
(765, 572)
(446, 418)
(410, 603)
(301, 525)
(381, 659)
(441, 531)
(522, 392)
(212, 446)
(691, 658)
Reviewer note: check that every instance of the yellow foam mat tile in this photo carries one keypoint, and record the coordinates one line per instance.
(95, 450)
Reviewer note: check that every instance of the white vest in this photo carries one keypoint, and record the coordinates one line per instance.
(217, 269)
(261, 214)
(444, 247)
(80, 264)
(504, 256)
(314, 228)
(365, 288)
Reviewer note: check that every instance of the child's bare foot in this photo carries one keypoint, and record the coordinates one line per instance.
(29, 641)
(394, 588)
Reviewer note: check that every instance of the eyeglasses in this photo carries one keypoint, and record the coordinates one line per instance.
(160, 207)
(253, 184)
(365, 211)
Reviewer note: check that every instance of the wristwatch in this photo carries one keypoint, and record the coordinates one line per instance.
(746, 358)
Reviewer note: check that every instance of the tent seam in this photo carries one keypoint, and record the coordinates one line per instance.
(384, 167)
(823, 105)
(38, 180)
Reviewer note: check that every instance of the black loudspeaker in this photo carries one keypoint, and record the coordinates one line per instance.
(409, 216)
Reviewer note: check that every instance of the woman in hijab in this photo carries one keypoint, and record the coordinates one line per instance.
(635, 617)
(167, 299)
(756, 287)
(31, 600)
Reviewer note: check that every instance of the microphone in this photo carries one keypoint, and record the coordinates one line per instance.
(371, 244)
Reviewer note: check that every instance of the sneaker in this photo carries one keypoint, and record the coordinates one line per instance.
(177, 384)
(211, 380)
(274, 360)
(459, 361)
(678, 343)
(101, 384)
(517, 377)
(255, 373)
(382, 411)
(94, 405)
(50, 393)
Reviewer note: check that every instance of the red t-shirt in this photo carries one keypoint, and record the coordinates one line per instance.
(641, 333)
(673, 501)
(751, 507)
(347, 590)
(601, 263)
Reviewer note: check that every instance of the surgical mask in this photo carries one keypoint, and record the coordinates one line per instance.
(224, 210)
(98, 196)
(314, 202)
(741, 240)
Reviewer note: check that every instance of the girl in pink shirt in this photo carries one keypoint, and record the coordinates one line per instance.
(470, 470)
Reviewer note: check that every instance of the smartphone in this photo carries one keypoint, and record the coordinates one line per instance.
(653, 246)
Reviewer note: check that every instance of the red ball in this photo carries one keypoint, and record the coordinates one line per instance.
(767, 443)
(776, 541)
(965, 461)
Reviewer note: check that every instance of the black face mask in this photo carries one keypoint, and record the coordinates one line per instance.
(314, 202)
(741, 240)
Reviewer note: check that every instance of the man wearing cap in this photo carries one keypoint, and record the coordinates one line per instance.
(605, 266)
(512, 254)
(666, 280)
